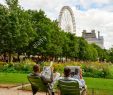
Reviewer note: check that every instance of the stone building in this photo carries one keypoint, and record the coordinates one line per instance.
(92, 38)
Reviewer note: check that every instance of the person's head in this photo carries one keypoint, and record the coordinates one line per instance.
(76, 71)
(67, 72)
(36, 68)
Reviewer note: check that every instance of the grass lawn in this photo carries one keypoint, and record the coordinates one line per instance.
(100, 86)
(13, 78)
(98, 83)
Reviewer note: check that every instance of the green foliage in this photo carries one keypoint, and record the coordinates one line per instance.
(16, 31)
(97, 70)
(110, 52)
(32, 32)
(23, 67)
(90, 69)
(71, 46)
(102, 53)
(84, 51)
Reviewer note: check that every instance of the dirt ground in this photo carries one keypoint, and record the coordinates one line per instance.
(8, 91)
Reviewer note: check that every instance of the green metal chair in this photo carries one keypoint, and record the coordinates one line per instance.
(37, 84)
(68, 87)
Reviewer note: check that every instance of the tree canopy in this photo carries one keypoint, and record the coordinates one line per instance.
(31, 32)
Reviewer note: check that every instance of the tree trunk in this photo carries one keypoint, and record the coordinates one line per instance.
(4, 58)
(18, 56)
(9, 57)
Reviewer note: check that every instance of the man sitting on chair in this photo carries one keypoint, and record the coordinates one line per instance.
(78, 75)
(67, 76)
(36, 72)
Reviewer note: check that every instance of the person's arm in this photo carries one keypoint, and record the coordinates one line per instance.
(51, 77)
(80, 74)
(83, 82)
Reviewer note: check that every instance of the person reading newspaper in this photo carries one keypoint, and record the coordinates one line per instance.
(68, 76)
(48, 72)
(78, 75)
(50, 77)
(46, 75)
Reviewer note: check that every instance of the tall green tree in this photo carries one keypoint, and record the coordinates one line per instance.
(55, 40)
(71, 46)
(110, 53)
(18, 31)
(41, 25)
(3, 29)
(102, 54)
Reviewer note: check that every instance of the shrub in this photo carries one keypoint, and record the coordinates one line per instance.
(90, 69)
(22, 67)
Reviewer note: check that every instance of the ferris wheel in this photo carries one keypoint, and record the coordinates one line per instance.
(67, 20)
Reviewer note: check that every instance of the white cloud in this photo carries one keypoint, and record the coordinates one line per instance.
(102, 1)
(2, 1)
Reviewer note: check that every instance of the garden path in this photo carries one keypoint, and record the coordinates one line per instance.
(6, 91)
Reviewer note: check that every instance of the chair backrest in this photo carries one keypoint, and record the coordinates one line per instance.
(68, 87)
(37, 83)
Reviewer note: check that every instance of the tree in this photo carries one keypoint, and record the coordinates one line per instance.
(110, 53)
(17, 31)
(55, 40)
(92, 53)
(71, 46)
(83, 47)
(102, 54)
(41, 25)
(49, 40)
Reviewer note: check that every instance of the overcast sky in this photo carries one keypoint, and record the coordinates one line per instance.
(89, 14)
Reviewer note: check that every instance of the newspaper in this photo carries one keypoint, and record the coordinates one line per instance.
(47, 71)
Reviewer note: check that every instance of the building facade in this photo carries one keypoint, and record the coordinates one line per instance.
(92, 38)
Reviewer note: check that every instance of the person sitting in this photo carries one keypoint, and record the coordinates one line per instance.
(78, 75)
(67, 76)
(84, 89)
(47, 81)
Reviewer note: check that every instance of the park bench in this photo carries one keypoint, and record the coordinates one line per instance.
(68, 87)
(38, 85)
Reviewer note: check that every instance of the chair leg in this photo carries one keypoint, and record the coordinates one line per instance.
(46, 92)
(53, 93)
(49, 91)
(34, 93)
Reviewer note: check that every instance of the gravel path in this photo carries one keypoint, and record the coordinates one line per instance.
(5, 91)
